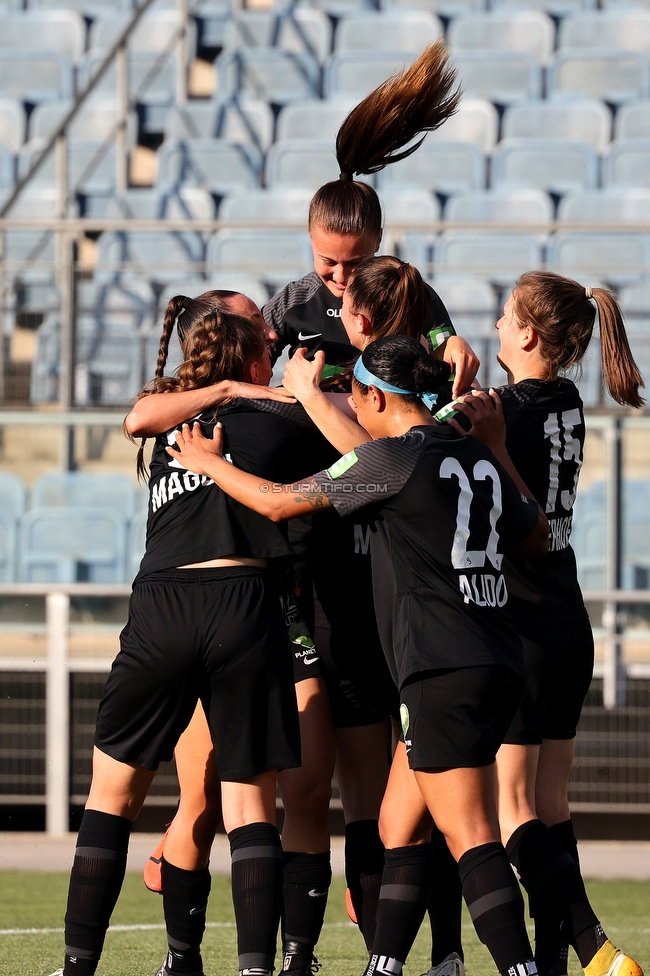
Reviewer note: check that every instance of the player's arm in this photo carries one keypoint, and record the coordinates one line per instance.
(158, 412)
(463, 361)
(277, 502)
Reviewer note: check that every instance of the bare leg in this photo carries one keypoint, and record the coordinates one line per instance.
(462, 802)
(404, 817)
(118, 788)
(552, 785)
(516, 771)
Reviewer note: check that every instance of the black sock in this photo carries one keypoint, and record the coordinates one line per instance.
(403, 899)
(306, 883)
(256, 893)
(364, 865)
(554, 884)
(95, 883)
(496, 906)
(446, 902)
(551, 937)
(185, 899)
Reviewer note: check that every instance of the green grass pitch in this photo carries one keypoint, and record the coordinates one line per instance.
(37, 901)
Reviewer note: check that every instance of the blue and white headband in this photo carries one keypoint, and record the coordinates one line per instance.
(367, 378)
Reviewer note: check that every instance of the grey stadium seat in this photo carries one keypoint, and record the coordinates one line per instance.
(498, 256)
(301, 163)
(553, 165)
(633, 121)
(613, 76)
(78, 489)
(279, 205)
(579, 119)
(271, 256)
(558, 8)
(12, 123)
(153, 255)
(500, 206)
(89, 8)
(60, 545)
(472, 306)
(180, 202)
(446, 8)
(354, 74)
(627, 164)
(446, 167)
(8, 547)
(40, 201)
(156, 96)
(13, 495)
(35, 76)
(475, 121)
(128, 297)
(608, 206)
(618, 30)
(214, 164)
(530, 31)
(136, 544)
(246, 121)
(154, 32)
(269, 74)
(413, 207)
(246, 284)
(314, 119)
(393, 30)
(59, 31)
(91, 166)
(94, 121)
(499, 76)
(295, 29)
(619, 258)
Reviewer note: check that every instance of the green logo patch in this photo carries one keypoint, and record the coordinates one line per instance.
(343, 464)
(404, 719)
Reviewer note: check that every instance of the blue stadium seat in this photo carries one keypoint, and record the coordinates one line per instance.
(530, 31)
(94, 121)
(589, 537)
(558, 8)
(612, 76)
(472, 305)
(59, 545)
(504, 77)
(29, 256)
(476, 121)
(131, 298)
(77, 489)
(633, 121)
(555, 165)
(300, 29)
(152, 80)
(617, 30)
(40, 201)
(155, 31)
(402, 206)
(635, 300)
(161, 256)
(58, 31)
(13, 495)
(391, 30)
(497, 256)
(268, 74)
(136, 544)
(354, 74)
(180, 203)
(608, 206)
(627, 164)
(246, 284)
(445, 167)
(89, 8)
(35, 76)
(301, 163)
(500, 206)
(245, 121)
(445, 8)
(12, 124)
(618, 258)
(273, 206)
(91, 166)
(213, 164)
(271, 256)
(578, 119)
(8, 547)
(313, 119)
(7, 175)
(341, 8)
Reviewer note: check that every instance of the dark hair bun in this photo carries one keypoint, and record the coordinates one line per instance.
(405, 363)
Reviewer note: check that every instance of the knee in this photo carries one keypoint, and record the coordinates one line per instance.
(310, 797)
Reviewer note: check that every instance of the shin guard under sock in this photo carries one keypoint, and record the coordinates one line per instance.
(95, 883)
(554, 884)
(364, 865)
(496, 907)
(551, 938)
(185, 899)
(306, 883)
(446, 902)
(256, 893)
(567, 838)
(403, 899)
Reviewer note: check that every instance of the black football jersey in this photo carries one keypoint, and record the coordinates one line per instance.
(545, 440)
(192, 520)
(442, 510)
(307, 314)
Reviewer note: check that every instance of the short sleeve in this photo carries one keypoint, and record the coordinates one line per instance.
(372, 472)
(519, 514)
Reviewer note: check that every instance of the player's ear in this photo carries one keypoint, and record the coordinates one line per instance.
(365, 325)
(528, 338)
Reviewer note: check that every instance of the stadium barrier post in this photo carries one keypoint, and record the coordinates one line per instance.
(57, 714)
(614, 669)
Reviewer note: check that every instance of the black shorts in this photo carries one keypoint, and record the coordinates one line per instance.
(210, 634)
(457, 718)
(559, 662)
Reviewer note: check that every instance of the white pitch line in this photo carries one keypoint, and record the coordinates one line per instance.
(146, 928)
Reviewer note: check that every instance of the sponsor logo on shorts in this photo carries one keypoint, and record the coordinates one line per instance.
(303, 338)
(317, 894)
(404, 718)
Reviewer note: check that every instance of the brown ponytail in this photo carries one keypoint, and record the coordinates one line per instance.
(563, 318)
(375, 134)
(393, 294)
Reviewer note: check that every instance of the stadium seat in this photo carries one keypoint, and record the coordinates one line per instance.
(93, 122)
(245, 121)
(300, 29)
(29, 255)
(472, 306)
(475, 121)
(557, 8)
(129, 297)
(579, 119)
(444, 167)
(57, 31)
(6, 171)
(270, 256)
(8, 537)
(279, 205)
(503, 77)
(229, 281)
(557, 166)
(636, 299)
(627, 164)
(180, 203)
(154, 255)
(213, 164)
(313, 119)
(409, 207)
(445, 8)
(301, 163)
(500, 206)
(12, 124)
(612, 76)
(391, 30)
(59, 545)
(136, 544)
(497, 256)
(13, 495)
(40, 201)
(618, 258)
(633, 121)
(89, 8)
(152, 81)
(606, 207)
(156, 31)
(354, 74)
(618, 30)
(34, 76)
(530, 31)
(274, 76)
(91, 166)
(77, 489)
(342, 8)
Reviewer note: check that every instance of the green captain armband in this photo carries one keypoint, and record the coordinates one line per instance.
(439, 335)
(343, 464)
(331, 371)
(448, 412)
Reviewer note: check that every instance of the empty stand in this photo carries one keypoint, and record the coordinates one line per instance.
(503, 77)
(500, 206)
(59, 545)
(12, 124)
(446, 167)
(624, 30)
(556, 166)
(354, 74)
(77, 489)
(475, 121)
(619, 258)
(299, 29)
(90, 166)
(94, 122)
(633, 121)
(606, 207)
(498, 256)
(35, 76)
(273, 206)
(245, 121)
(579, 120)
(301, 163)
(269, 74)
(627, 164)
(272, 256)
(391, 30)
(59, 31)
(214, 164)
(613, 76)
(313, 119)
(156, 31)
(529, 31)
(155, 255)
